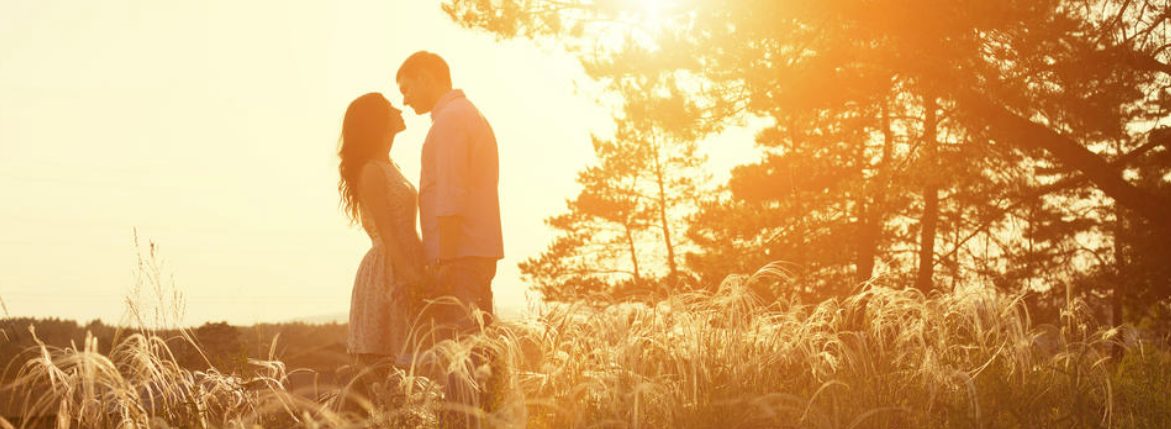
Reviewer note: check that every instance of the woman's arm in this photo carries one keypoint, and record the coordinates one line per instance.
(374, 194)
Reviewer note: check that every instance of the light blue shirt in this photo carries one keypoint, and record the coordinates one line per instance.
(459, 177)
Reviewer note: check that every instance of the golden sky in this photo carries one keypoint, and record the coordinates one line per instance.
(211, 126)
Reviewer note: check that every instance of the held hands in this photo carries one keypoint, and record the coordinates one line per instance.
(417, 285)
(410, 284)
(412, 277)
(436, 271)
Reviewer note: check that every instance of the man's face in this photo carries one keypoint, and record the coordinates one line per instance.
(418, 92)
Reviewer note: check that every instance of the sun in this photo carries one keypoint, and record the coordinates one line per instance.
(654, 12)
(653, 7)
(638, 21)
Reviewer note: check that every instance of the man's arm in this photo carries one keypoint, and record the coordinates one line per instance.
(452, 164)
(448, 236)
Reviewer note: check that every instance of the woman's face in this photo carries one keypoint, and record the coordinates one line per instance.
(397, 124)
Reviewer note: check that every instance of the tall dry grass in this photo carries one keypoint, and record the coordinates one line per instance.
(883, 357)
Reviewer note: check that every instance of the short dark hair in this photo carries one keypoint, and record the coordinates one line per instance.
(428, 63)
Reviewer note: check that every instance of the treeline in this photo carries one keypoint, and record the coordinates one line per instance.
(1008, 144)
(320, 347)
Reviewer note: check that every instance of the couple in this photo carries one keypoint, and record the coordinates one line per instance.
(458, 210)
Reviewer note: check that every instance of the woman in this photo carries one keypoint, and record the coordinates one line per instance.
(375, 194)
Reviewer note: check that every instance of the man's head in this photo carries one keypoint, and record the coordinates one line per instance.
(422, 79)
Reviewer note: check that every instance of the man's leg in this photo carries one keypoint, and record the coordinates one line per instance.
(469, 281)
(471, 285)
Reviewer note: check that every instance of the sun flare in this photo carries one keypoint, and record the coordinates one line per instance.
(654, 13)
(641, 21)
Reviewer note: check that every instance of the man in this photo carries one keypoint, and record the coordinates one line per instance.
(459, 209)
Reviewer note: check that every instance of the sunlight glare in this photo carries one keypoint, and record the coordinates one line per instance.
(641, 21)
(654, 12)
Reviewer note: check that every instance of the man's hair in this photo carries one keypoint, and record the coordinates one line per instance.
(425, 63)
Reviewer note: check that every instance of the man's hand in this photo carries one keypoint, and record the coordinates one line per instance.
(437, 282)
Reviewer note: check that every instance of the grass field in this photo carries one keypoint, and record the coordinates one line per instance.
(880, 358)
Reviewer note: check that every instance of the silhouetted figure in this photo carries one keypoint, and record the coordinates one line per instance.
(375, 194)
(459, 208)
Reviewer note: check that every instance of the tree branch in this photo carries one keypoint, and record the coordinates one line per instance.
(1011, 128)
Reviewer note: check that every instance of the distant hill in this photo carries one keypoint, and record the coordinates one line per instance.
(341, 317)
(503, 311)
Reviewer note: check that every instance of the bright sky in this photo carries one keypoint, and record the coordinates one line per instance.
(211, 128)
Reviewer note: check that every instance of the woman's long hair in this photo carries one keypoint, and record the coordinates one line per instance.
(367, 123)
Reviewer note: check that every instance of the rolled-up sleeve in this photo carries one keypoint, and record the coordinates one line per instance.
(451, 162)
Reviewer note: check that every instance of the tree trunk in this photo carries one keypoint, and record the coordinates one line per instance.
(660, 180)
(930, 220)
(1117, 295)
(871, 226)
(633, 254)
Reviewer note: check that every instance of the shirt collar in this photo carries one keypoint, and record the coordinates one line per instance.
(446, 99)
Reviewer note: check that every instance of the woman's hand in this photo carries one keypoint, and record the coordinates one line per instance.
(409, 286)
